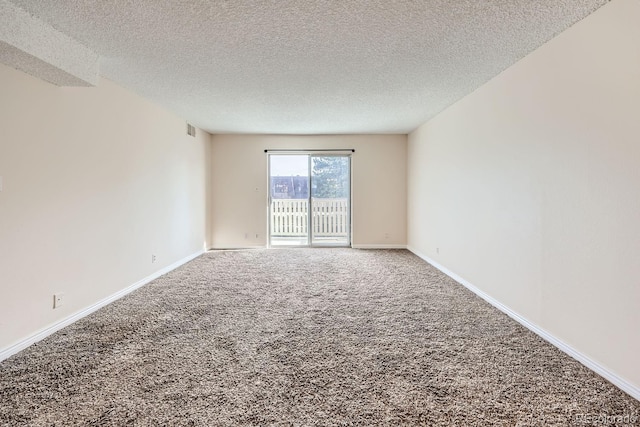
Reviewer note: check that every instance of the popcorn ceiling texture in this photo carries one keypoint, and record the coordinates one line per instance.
(30, 45)
(315, 66)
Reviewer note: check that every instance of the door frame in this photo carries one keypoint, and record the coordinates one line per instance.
(310, 154)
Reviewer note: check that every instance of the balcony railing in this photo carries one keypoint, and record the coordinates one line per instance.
(329, 217)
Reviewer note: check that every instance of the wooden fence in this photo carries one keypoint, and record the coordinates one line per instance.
(290, 217)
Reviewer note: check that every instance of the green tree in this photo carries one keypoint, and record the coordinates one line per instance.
(330, 177)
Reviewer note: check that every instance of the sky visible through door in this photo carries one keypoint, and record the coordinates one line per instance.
(290, 165)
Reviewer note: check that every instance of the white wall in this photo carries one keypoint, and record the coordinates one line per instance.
(95, 181)
(530, 188)
(240, 186)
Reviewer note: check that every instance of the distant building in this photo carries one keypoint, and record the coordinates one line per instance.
(290, 187)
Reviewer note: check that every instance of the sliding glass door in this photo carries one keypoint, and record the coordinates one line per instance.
(309, 200)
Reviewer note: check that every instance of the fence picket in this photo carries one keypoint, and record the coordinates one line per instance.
(289, 217)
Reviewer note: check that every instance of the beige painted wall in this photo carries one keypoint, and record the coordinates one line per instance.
(530, 188)
(240, 187)
(95, 181)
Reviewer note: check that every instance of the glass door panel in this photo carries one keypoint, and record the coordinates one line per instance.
(330, 200)
(289, 200)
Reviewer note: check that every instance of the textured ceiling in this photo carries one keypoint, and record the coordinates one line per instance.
(307, 67)
(30, 45)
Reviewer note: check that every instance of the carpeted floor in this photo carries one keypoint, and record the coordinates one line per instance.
(301, 337)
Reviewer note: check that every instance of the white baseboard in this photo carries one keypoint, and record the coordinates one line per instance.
(354, 246)
(580, 357)
(237, 248)
(379, 246)
(43, 333)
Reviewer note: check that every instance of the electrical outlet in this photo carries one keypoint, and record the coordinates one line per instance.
(256, 235)
(58, 300)
(386, 235)
(153, 258)
(437, 250)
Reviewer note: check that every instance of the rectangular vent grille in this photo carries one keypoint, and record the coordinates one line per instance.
(191, 130)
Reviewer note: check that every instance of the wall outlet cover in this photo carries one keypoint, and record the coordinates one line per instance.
(58, 300)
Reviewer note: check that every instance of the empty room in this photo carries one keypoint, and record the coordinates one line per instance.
(296, 213)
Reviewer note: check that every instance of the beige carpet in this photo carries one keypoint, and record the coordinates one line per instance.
(302, 337)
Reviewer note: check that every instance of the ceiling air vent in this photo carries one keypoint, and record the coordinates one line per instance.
(191, 130)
